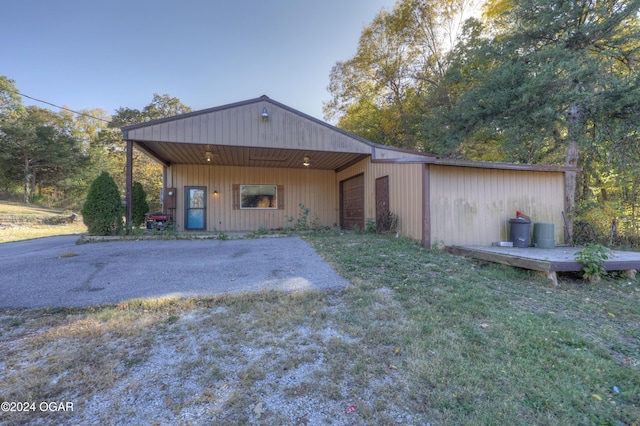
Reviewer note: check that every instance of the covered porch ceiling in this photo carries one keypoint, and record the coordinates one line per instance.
(168, 153)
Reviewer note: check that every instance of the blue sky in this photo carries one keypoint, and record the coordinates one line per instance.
(111, 54)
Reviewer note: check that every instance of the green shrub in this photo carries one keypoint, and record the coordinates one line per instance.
(593, 258)
(102, 211)
(140, 206)
(370, 225)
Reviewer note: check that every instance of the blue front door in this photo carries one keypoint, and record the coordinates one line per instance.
(196, 208)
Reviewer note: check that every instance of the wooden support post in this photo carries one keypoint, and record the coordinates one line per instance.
(551, 276)
(426, 207)
(164, 190)
(129, 185)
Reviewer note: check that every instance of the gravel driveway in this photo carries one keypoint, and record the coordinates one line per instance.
(56, 272)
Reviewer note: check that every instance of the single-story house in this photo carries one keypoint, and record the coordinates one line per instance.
(253, 164)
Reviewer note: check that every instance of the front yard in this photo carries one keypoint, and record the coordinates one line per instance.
(422, 337)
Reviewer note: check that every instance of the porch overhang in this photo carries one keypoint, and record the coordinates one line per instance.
(255, 133)
(169, 153)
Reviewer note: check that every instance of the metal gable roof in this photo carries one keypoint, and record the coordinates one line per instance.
(238, 134)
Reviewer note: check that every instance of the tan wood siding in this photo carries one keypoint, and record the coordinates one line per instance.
(405, 192)
(314, 189)
(473, 206)
(243, 126)
(466, 205)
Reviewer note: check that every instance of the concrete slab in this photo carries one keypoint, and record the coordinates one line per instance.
(58, 273)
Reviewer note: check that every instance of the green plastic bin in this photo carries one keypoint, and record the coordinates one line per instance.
(543, 235)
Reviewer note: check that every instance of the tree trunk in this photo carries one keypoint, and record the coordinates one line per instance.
(572, 155)
(25, 198)
(32, 190)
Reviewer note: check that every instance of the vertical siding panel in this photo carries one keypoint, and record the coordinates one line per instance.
(208, 129)
(156, 132)
(487, 206)
(178, 183)
(450, 190)
(458, 178)
(465, 201)
(405, 192)
(225, 201)
(200, 132)
(210, 205)
(498, 203)
(315, 189)
(190, 132)
(178, 180)
(473, 206)
(467, 206)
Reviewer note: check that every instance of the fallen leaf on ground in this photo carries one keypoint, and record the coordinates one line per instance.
(258, 409)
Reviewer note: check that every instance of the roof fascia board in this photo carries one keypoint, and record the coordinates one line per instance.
(505, 166)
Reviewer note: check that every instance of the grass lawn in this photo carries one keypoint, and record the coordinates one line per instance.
(24, 222)
(421, 337)
(489, 344)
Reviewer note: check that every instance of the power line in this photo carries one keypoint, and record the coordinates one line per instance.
(64, 108)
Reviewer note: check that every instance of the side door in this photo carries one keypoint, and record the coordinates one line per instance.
(352, 203)
(382, 204)
(195, 208)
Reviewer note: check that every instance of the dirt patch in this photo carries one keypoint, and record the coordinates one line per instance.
(224, 363)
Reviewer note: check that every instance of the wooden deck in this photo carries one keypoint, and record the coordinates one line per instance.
(548, 261)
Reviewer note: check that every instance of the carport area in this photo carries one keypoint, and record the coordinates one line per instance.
(55, 272)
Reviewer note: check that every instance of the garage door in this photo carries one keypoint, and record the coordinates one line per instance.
(352, 202)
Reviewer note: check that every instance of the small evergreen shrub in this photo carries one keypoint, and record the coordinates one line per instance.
(140, 206)
(102, 211)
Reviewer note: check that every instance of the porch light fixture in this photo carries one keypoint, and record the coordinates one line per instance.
(215, 193)
(208, 156)
(306, 162)
(265, 114)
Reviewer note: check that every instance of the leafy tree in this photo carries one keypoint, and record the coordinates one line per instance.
(58, 155)
(161, 106)
(110, 147)
(10, 101)
(533, 81)
(379, 93)
(17, 151)
(102, 211)
(140, 205)
(552, 81)
(37, 150)
(10, 109)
